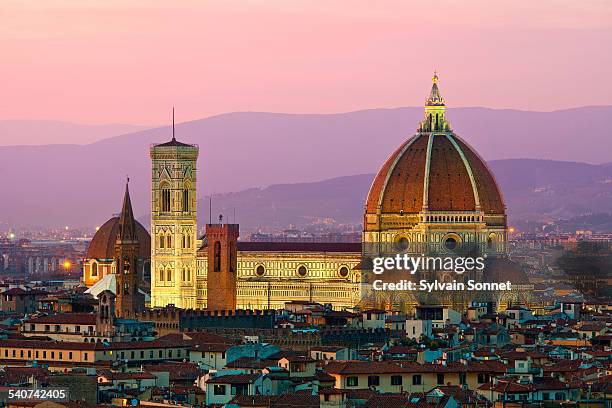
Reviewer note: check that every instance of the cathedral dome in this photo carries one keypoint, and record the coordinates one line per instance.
(102, 246)
(436, 177)
(434, 171)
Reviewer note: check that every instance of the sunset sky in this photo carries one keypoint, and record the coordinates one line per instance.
(129, 61)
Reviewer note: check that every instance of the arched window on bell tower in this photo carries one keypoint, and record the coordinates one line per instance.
(217, 264)
(186, 199)
(165, 198)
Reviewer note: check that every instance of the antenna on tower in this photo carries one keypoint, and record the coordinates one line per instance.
(210, 209)
(173, 123)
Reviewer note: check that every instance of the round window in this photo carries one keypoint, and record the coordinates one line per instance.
(302, 271)
(450, 243)
(260, 270)
(402, 244)
(343, 272)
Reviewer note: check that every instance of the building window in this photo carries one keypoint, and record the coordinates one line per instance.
(483, 378)
(162, 241)
(302, 271)
(169, 241)
(94, 269)
(219, 389)
(260, 270)
(352, 381)
(440, 379)
(169, 275)
(373, 381)
(185, 200)
(416, 379)
(462, 378)
(85, 356)
(217, 257)
(396, 380)
(239, 389)
(165, 199)
(343, 272)
(450, 243)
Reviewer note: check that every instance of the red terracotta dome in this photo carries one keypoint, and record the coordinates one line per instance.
(102, 246)
(436, 171)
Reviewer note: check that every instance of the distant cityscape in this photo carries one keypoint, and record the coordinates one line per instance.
(278, 316)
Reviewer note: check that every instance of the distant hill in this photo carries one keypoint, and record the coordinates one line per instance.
(80, 185)
(533, 190)
(43, 132)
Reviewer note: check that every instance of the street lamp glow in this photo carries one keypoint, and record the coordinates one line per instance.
(67, 264)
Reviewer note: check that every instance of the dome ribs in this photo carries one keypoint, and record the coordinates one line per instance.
(491, 200)
(404, 190)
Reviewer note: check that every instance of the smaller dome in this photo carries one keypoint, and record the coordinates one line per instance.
(102, 245)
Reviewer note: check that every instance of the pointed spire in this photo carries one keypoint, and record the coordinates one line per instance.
(127, 223)
(173, 138)
(435, 99)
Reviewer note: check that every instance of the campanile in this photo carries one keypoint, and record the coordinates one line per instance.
(173, 223)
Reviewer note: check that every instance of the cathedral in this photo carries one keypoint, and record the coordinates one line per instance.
(434, 194)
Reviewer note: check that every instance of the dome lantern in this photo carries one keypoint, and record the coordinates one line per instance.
(435, 110)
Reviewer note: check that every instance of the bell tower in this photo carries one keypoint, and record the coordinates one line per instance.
(222, 261)
(129, 300)
(173, 223)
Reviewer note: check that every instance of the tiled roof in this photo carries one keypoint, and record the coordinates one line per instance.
(20, 291)
(277, 401)
(508, 387)
(233, 379)
(176, 370)
(66, 318)
(115, 375)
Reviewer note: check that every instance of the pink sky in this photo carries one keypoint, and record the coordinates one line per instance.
(100, 61)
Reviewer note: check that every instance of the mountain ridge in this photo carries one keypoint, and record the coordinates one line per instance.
(82, 184)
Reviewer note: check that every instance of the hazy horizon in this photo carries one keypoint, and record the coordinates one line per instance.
(103, 131)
